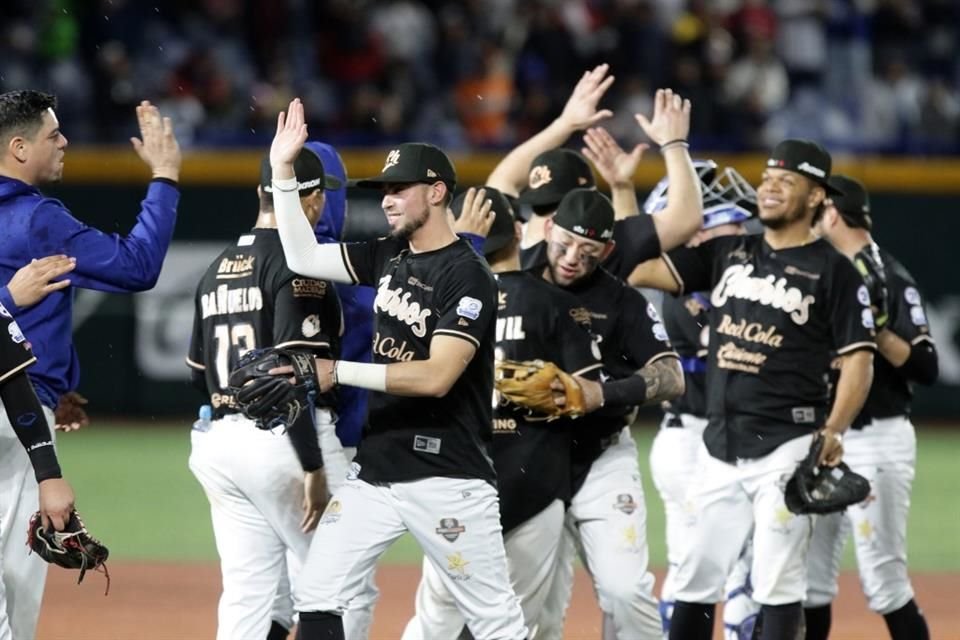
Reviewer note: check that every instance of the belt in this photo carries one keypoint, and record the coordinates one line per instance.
(673, 421)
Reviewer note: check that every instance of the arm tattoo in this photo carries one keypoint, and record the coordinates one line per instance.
(664, 379)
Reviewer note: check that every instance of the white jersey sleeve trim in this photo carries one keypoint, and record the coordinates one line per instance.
(673, 271)
(17, 369)
(458, 334)
(195, 365)
(592, 367)
(856, 346)
(310, 344)
(923, 338)
(660, 356)
(303, 253)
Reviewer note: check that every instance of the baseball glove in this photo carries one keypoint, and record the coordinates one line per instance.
(529, 384)
(274, 400)
(72, 548)
(70, 413)
(816, 488)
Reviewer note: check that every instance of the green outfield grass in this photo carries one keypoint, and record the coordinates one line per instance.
(135, 491)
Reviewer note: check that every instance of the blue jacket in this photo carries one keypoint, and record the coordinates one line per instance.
(35, 226)
(356, 301)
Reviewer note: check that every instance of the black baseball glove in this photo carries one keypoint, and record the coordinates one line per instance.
(816, 488)
(870, 265)
(72, 548)
(274, 400)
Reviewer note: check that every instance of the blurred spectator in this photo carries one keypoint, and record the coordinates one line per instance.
(492, 72)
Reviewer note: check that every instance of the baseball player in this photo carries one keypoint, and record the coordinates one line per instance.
(881, 443)
(607, 512)
(728, 201)
(265, 496)
(781, 304)
(422, 465)
(541, 174)
(535, 320)
(21, 416)
(31, 154)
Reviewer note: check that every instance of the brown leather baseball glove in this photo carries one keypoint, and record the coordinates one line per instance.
(72, 548)
(531, 384)
(69, 413)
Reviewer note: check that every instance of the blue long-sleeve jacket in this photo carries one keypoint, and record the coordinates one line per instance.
(356, 301)
(35, 226)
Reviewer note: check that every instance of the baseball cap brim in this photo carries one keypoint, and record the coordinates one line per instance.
(376, 182)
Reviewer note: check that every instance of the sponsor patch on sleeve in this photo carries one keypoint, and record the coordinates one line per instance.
(911, 295)
(469, 308)
(866, 318)
(863, 296)
(917, 316)
(310, 326)
(660, 332)
(652, 312)
(4, 312)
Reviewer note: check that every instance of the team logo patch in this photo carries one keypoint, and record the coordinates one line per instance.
(652, 312)
(426, 444)
(27, 419)
(804, 415)
(863, 296)
(332, 513)
(393, 159)
(457, 567)
(469, 308)
(310, 326)
(660, 332)
(625, 503)
(917, 316)
(866, 318)
(539, 176)
(911, 295)
(450, 529)
(4, 312)
(15, 334)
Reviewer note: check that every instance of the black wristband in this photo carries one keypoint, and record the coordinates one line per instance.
(629, 392)
(306, 442)
(673, 143)
(172, 183)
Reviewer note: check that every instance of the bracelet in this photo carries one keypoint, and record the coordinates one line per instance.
(277, 187)
(679, 142)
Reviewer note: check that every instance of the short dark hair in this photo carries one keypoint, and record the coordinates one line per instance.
(21, 112)
(266, 201)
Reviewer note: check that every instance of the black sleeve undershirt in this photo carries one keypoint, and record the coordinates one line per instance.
(26, 416)
(306, 443)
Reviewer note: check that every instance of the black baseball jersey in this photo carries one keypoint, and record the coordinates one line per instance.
(536, 320)
(15, 353)
(631, 336)
(891, 392)
(249, 299)
(776, 318)
(449, 292)
(689, 330)
(636, 241)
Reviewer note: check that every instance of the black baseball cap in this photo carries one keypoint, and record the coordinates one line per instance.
(309, 172)
(502, 231)
(413, 162)
(555, 173)
(587, 213)
(853, 203)
(805, 157)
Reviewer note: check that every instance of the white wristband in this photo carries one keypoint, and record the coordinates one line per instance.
(361, 374)
(285, 184)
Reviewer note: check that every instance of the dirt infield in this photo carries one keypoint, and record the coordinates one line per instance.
(178, 602)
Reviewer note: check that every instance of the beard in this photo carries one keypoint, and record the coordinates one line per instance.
(411, 226)
(785, 220)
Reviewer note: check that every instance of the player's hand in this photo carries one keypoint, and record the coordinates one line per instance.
(614, 165)
(70, 414)
(832, 451)
(56, 503)
(477, 216)
(289, 139)
(157, 146)
(592, 393)
(31, 283)
(580, 111)
(315, 499)
(671, 118)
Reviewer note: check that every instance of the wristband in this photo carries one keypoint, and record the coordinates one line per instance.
(628, 392)
(279, 184)
(679, 142)
(361, 374)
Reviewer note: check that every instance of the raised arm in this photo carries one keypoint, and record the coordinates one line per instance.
(511, 174)
(616, 167)
(669, 128)
(300, 248)
(654, 274)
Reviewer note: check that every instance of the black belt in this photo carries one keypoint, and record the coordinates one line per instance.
(673, 421)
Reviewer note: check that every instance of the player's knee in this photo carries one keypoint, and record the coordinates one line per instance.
(820, 595)
(885, 601)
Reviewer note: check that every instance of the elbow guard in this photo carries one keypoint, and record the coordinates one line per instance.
(922, 365)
